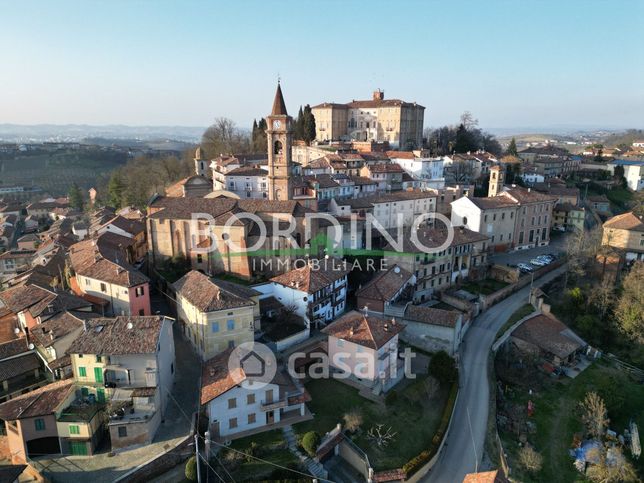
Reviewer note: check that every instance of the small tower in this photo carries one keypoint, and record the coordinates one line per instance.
(497, 175)
(279, 136)
(201, 165)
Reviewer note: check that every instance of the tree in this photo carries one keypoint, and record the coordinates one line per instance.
(310, 442)
(115, 189)
(530, 459)
(191, 469)
(512, 148)
(298, 128)
(379, 436)
(353, 419)
(443, 368)
(601, 297)
(582, 247)
(630, 306)
(308, 128)
(595, 415)
(75, 197)
(223, 137)
(613, 469)
(464, 140)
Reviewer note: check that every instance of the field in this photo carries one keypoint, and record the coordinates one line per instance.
(413, 416)
(56, 171)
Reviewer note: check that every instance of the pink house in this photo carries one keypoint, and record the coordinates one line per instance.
(365, 348)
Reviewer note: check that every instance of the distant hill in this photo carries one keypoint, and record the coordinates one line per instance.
(17, 133)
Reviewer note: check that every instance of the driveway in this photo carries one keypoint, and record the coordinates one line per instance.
(463, 448)
(557, 246)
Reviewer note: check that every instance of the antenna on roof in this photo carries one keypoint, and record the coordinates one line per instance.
(365, 310)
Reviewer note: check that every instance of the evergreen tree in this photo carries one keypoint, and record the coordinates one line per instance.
(464, 141)
(308, 128)
(259, 136)
(75, 197)
(512, 148)
(299, 125)
(115, 189)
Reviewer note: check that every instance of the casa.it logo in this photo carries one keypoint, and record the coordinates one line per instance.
(252, 365)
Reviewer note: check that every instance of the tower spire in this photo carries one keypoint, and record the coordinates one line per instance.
(279, 107)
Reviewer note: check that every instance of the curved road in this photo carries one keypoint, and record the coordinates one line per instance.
(463, 447)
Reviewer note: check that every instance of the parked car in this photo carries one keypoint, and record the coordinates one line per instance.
(545, 259)
(559, 228)
(538, 263)
(524, 268)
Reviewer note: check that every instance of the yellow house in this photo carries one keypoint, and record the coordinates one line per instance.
(625, 232)
(216, 314)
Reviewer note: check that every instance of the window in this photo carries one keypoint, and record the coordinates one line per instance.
(251, 418)
(82, 372)
(250, 399)
(139, 291)
(122, 432)
(74, 429)
(232, 403)
(214, 327)
(87, 282)
(269, 396)
(103, 288)
(99, 359)
(141, 312)
(232, 423)
(39, 424)
(340, 343)
(230, 324)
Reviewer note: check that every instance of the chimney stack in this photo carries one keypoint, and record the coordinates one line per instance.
(378, 95)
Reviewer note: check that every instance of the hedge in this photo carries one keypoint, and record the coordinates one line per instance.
(414, 464)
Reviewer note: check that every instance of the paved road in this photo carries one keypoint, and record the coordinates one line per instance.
(464, 445)
(557, 245)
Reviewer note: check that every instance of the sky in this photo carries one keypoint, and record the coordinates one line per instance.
(523, 63)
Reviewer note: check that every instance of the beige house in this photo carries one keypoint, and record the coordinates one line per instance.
(365, 348)
(215, 314)
(129, 363)
(626, 233)
(394, 121)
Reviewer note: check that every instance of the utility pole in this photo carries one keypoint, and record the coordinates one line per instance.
(197, 456)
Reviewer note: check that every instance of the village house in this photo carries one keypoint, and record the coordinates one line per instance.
(389, 176)
(15, 261)
(216, 315)
(317, 292)
(568, 217)
(102, 271)
(366, 348)
(20, 369)
(434, 329)
(599, 203)
(235, 408)
(625, 232)
(387, 292)
(245, 182)
(132, 228)
(420, 165)
(128, 362)
(435, 270)
(45, 209)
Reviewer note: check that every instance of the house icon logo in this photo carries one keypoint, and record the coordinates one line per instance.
(253, 365)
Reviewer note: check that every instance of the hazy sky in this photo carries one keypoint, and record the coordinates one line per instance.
(512, 63)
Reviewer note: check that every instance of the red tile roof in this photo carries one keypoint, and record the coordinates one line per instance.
(625, 221)
(310, 279)
(210, 295)
(386, 284)
(40, 402)
(368, 331)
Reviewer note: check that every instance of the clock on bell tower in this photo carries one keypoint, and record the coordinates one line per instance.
(280, 138)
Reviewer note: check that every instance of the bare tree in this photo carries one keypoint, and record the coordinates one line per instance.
(468, 120)
(462, 171)
(582, 247)
(353, 419)
(630, 307)
(223, 137)
(380, 437)
(601, 296)
(530, 459)
(610, 466)
(595, 415)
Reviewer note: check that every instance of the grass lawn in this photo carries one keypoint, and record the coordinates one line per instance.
(255, 470)
(557, 419)
(414, 416)
(485, 287)
(267, 439)
(520, 313)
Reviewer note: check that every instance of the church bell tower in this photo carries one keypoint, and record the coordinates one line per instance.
(280, 138)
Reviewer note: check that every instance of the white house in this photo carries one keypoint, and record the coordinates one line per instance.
(315, 292)
(366, 348)
(420, 165)
(245, 182)
(532, 178)
(234, 406)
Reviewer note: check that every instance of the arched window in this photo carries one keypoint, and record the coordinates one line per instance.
(277, 147)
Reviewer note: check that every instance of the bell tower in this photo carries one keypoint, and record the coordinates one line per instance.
(279, 135)
(497, 176)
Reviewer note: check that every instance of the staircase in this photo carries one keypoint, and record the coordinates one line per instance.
(313, 467)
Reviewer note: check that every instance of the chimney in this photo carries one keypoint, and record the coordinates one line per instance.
(378, 95)
(545, 308)
(351, 332)
(85, 326)
(386, 327)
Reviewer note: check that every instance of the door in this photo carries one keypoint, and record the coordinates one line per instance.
(100, 395)
(78, 448)
(98, 374)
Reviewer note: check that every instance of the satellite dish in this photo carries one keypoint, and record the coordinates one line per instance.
(129, 325)
(16, 331)
(397, 269)
(31, 347)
